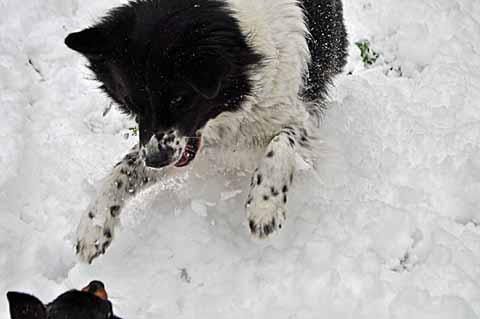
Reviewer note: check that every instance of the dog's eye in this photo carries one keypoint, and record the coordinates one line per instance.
(177, 100)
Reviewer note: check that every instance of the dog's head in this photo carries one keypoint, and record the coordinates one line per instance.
(173, 65)
(91, 302)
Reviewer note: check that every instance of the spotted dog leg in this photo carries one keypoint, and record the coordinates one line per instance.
(96, 229)
(266, 204)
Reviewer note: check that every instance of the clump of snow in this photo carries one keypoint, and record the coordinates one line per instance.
(387, 227)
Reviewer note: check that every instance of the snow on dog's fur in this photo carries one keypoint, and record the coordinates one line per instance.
(217, 74)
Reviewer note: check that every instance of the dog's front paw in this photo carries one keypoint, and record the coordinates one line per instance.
(94, 235)
(266, 214)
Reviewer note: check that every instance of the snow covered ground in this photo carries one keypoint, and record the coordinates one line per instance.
(388, 227)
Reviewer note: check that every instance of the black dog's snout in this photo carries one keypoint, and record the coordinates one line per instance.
(160, 158)
(95, 286)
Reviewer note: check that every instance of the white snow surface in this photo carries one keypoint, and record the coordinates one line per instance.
(388, 226)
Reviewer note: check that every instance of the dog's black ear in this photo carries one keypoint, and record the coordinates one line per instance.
(23, 306)
(91, 41)
(205, 73)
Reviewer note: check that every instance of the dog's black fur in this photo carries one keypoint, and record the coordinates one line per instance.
(327, 43)
(73, 304)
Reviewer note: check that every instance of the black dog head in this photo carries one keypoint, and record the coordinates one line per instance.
(173, 65)
(90, 303)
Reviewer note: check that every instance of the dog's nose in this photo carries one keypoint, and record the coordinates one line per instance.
(160, 158)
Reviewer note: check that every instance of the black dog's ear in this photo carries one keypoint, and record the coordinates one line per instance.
(23, 306)
(91, 41)
(205, 73)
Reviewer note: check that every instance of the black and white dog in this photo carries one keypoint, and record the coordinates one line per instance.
(213, 74)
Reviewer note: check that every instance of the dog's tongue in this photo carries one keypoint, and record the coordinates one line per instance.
(189, 152)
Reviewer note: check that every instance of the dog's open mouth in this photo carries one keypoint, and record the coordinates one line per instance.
(191, 149)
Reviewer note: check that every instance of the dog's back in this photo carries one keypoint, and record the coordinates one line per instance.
(295, 33)
(327, 44)
(303, 45)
